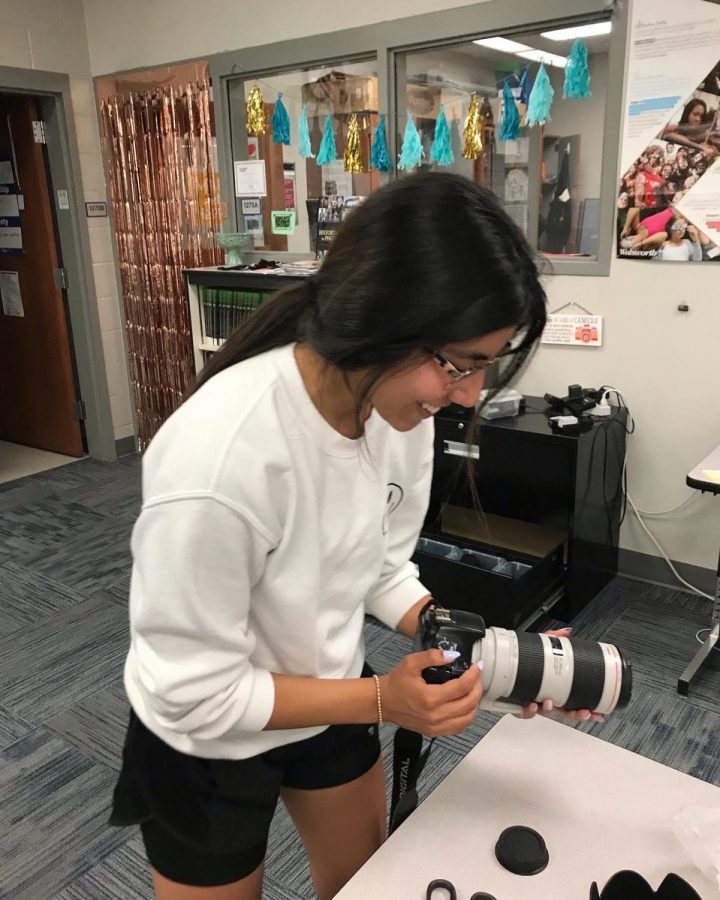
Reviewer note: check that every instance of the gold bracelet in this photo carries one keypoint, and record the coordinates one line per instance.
(379, 699)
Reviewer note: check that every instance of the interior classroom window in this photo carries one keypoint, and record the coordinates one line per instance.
(529, 172)
(339, 90)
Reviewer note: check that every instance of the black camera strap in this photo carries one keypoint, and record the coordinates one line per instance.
(409, 760)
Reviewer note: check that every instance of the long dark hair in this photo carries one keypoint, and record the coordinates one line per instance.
(689, 107)
(428, 260)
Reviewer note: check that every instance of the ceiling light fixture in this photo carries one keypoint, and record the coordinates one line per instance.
(579, 31)
(503, 44)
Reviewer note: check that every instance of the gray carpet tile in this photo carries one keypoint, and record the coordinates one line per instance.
(12, 727)
(80, 474)
(132, 461)
(116, 588)
(98, 558)
(60, 660)
(54, 482)
(95, 726)
(275, 888)
(28, 597)
(34, 530)
(663, 726)
(54, 802)
(657, 632)
(286, 863)
(115, 686)
(120, 496)
(23, 492)
(122, 875)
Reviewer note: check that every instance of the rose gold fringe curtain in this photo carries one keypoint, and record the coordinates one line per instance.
(166, 207)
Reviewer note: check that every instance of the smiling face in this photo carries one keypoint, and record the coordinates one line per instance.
(417, 392)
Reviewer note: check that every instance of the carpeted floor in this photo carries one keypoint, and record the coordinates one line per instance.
(64, 576)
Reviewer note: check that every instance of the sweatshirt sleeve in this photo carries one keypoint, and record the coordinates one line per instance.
(399, 588)
(196, 559)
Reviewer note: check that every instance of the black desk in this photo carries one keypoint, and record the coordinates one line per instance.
(566, 485)
(705, 477)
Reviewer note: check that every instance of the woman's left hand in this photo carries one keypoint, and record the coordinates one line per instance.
(546, 707)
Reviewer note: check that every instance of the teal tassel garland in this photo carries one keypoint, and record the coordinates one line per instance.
(379, 156)
(441, 150)
(280, 123)
(510, 125)
(305, 147)
(328, 151)
(541, 97)
(577, 76)
(412, 152)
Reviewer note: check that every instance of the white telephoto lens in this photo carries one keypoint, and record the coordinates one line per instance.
(521, 668)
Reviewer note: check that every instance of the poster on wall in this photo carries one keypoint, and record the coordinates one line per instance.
(668, 205)
(325, 216)
(10, 224)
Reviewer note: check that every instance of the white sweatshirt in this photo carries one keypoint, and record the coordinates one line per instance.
(264, 538)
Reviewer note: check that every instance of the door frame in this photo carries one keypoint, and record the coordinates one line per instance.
(52, 89)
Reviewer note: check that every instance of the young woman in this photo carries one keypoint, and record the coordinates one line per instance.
(281, 503)
(683, 243)
(694, 128)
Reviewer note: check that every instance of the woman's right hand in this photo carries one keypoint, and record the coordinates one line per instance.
(431, 709)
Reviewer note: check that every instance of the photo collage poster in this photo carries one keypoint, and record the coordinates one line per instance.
(325, 214)
(668, 204)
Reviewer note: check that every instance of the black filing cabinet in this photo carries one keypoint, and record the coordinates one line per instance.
(522, 515)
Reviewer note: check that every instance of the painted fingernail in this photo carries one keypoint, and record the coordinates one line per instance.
(479, 664)
(451, 654)
(547, 705)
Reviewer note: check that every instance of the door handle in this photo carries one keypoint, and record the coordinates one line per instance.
(460, 448)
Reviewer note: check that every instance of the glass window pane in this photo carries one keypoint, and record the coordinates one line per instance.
(338, 89)
(548, 171)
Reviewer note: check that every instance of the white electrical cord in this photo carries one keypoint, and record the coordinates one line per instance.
(665, 512)
(701, 640)
(639, 515)
(664, 554)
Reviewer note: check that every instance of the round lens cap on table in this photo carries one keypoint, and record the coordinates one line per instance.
(522, 851)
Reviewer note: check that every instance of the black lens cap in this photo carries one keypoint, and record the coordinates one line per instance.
(522, 851)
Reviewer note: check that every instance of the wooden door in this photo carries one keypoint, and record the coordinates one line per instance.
(38, 393)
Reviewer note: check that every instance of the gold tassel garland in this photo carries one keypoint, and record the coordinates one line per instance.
(472, 131)
(255, 115)
(353, 160)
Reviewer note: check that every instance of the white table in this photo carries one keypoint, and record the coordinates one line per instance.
(705, 477)
(598, 807)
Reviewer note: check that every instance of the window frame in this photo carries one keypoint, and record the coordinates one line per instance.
(386, 40)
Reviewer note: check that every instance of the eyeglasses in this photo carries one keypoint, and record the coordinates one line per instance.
(458, 374)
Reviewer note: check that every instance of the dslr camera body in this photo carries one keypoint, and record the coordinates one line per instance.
(449, 630)
(520, 667)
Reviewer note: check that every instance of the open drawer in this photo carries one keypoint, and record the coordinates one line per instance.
(501, 585)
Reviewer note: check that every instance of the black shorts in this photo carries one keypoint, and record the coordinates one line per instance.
(205, 822)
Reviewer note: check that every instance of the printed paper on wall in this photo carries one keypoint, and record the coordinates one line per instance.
(669, 195)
